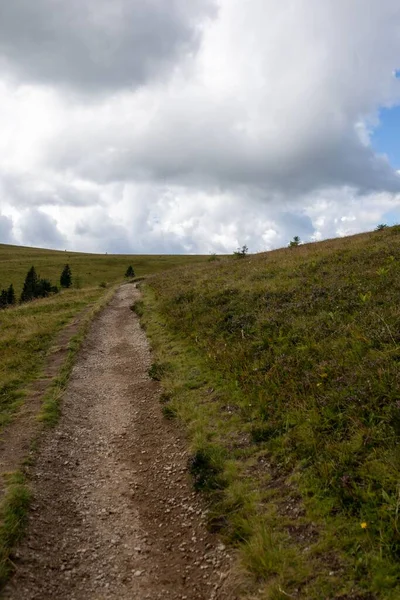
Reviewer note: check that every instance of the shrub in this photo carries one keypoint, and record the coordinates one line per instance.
(241, 252)
(44, 288)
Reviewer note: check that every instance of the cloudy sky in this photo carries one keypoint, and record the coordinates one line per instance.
(152, 126)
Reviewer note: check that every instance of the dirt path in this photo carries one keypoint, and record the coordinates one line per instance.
(114, 514)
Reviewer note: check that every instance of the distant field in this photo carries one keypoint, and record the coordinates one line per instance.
(28, 331)
(87, 269)
(285, 368)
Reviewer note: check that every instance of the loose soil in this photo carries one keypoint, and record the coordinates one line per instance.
(115, 515)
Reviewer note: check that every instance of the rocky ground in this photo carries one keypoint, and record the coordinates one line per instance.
(114, 512)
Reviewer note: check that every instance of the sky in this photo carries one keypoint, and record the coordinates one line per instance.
(386, 137)
(168, 126)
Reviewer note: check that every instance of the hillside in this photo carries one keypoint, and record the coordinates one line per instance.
(285, 368)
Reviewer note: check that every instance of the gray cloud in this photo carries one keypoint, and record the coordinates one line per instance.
(190, 155)
(6, 230)
(39, 229)
(97, 45)
(23, 190)
(138, 235)
(105, 234)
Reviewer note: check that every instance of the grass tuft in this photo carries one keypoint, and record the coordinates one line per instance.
(206, 466)
(169, 412)
(157, 370)
(13, 519)
(137, 307)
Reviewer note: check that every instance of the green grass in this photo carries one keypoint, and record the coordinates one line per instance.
(88, 270)
(285, 368)
(13, 518)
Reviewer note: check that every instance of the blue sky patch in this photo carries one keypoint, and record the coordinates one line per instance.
(386, 137)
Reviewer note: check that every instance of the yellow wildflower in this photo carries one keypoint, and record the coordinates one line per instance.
(364, 525)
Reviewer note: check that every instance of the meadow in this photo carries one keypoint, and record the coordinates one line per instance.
(284, 368)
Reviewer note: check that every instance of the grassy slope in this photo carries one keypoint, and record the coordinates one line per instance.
(285, 367)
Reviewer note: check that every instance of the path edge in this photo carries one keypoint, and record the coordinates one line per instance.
(17, 497)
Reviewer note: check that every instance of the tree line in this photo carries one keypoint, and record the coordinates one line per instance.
(35, 287)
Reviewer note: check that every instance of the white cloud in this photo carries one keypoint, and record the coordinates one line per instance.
(251, 125)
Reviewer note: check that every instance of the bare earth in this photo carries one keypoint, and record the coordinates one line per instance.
(114, 514)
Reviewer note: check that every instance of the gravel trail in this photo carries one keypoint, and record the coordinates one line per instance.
(114, 514)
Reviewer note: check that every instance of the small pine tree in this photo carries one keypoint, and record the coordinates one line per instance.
(295, 242)
(66, 277)
(30, 286)
(11, 295)
(130, 272)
